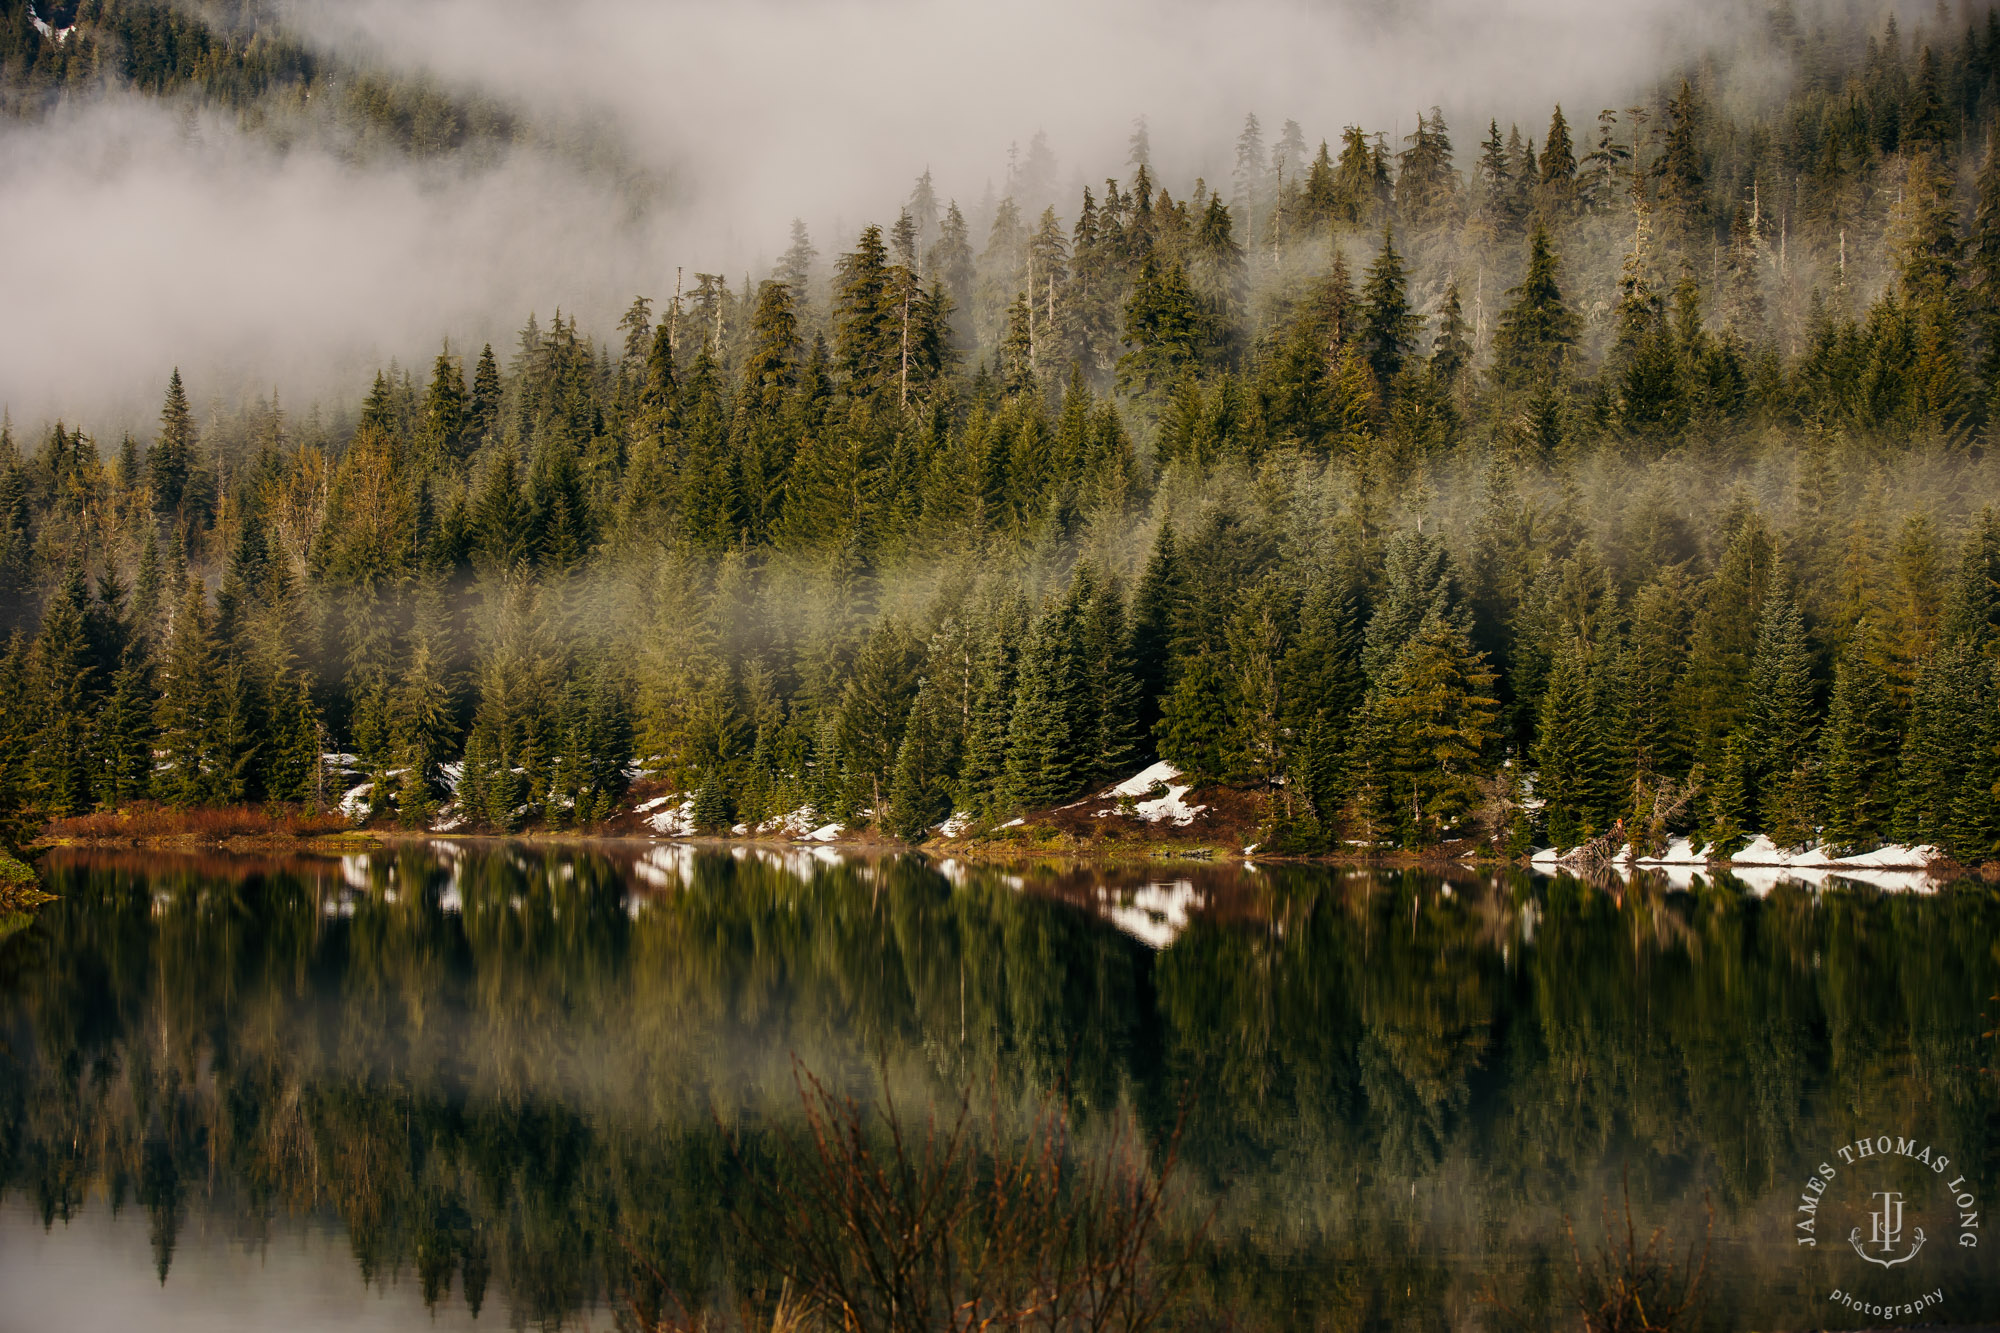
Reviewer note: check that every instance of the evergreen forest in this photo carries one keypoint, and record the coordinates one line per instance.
(1625, 473)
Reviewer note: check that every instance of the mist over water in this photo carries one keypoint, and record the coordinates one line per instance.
(149, 234)
(450, 1074)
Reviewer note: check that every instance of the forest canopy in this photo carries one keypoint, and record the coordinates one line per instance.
(1628, 471)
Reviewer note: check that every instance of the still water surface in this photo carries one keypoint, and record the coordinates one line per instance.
(470, 1085)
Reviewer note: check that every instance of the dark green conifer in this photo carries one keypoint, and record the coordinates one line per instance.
(1779, 712)
(441, 429)
(482, 416)
(1194, 729)
(1947, 724)
(1050, 734)
(65, 688)
(1438, 710)
(171, 461)
(1532, 347)
(920, 794)
(1570, 760)
(1388, 326)
(875, 705)
(1858, 747)
(190, 701)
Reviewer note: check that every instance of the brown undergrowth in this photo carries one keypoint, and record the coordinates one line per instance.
(149, 821)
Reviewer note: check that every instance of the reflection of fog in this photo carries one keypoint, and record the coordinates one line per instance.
(97, 1272)
(500, 1057)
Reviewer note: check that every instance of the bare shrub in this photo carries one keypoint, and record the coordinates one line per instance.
(958, 1224)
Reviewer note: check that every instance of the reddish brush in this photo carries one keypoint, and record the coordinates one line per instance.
(149, 819)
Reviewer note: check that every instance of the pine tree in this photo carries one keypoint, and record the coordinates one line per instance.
(866, 329)
(1153, 609)
(989, 706)
(1858, 748)
(1973, 834)
(1165, 328)
(1495, 176)
(920, 794)
(1418, 584)
(1388, 326)
(171, 462)
(20, 808)
(65, 691)
(1108, 739)
(1051, 731)
(190, 700)
(482, 414)
(1778, 718)
(1532, 346)
(1194, 728)
(441, 432)
(1651, 733)
(795, 265)
(1947, 724)
(123, 747)
(1426, 194)
(874, 707)
(1451, 349)
(1440, 715)
(1728, 810)
(293, 769)
(1570, 760)
(1323, 688)
(1360, 183)
(425, 713)
(1557, 195)
(1680, 183)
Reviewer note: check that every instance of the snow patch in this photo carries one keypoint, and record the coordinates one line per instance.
(355, 804)
(1678, 852)
(960, 821)
(1139, 784)
(1171, 808)
(826, 832)
(670, 816)
(797, 823)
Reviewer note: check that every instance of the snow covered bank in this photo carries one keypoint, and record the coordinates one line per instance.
(1762, 865)
(1171, 808)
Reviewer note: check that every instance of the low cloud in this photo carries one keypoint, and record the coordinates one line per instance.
(146, 238)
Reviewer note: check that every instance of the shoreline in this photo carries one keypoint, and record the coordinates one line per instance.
(1941, 869)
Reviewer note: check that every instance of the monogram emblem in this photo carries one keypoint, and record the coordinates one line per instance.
(1885, 1232)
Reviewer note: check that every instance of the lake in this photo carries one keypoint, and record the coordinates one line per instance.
(479, 1084)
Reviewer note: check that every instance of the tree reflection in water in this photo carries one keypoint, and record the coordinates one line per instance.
(516, 1069)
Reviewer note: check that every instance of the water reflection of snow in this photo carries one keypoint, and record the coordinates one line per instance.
(1153, 914)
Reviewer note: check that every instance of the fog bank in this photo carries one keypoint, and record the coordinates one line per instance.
(151, 237)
